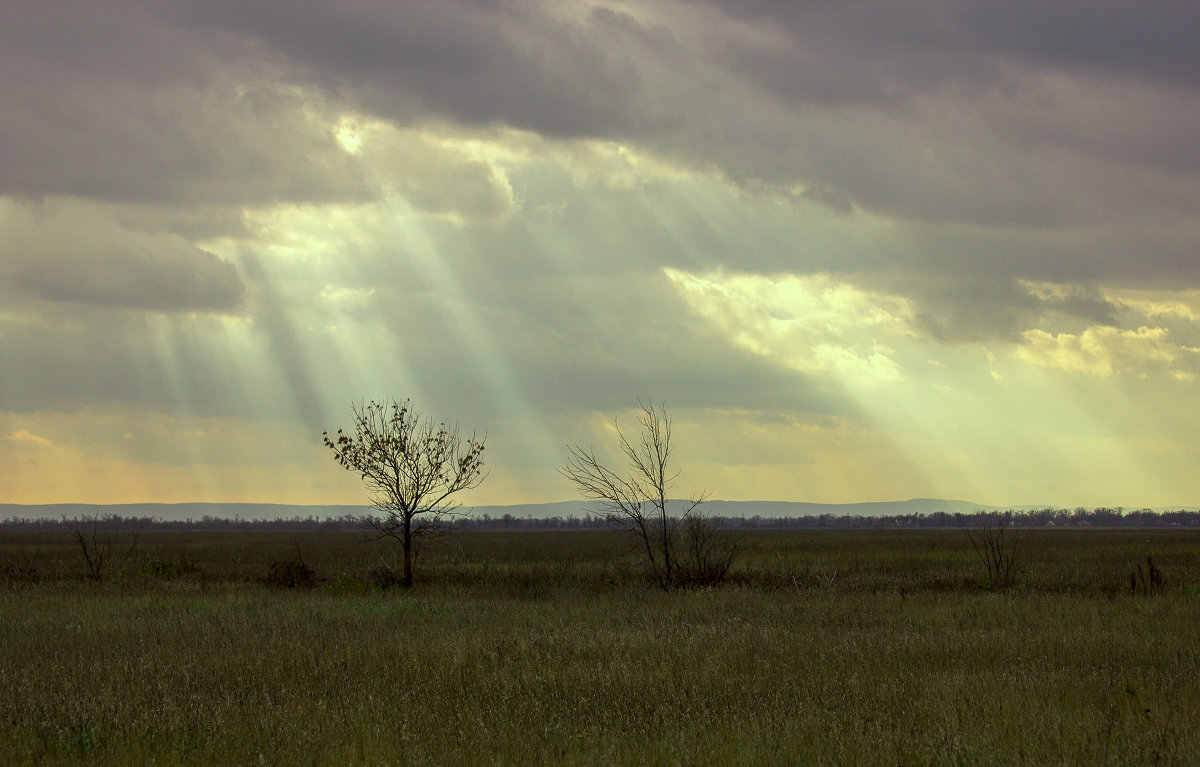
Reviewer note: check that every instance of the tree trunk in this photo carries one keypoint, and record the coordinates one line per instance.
(646, 530)
(662, 501)
(408, 581)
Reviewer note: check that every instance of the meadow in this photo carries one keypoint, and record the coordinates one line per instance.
(549, 647)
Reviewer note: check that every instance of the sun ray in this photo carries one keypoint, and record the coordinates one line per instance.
(975, 424)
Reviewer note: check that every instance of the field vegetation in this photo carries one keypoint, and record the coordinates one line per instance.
(553, 647)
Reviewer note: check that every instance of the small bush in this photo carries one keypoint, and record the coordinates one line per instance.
(707, 552)
(291, 574)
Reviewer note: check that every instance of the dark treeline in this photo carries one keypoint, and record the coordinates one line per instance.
(116, 522)
(1103, 517)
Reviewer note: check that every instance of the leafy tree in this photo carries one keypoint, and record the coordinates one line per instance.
(411, 466)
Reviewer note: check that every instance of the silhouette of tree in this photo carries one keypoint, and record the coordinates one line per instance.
(639, 502)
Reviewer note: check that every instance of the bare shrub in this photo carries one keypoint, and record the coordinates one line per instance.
(707, 553)
(291, 574)
(998, 550)
(638, 502)
(97, 548)
(1148, 582)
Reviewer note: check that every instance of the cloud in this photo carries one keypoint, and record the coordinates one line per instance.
(1161, 304)
(529, 65)
(433, 170)
(993, 115)
(113, 101)
(963, 308)
(812, 323)
(25, 438)
(67, 252)
(1105, 351)
(1074, 301)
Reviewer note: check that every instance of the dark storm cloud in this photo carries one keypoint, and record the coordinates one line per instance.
(926, 42)
(1147, 40)
(109, 101)
(88, 356)
(957, 308)
(185, 280)
(67, 253)
(998, 114)
(475, 62)
(931, 110)
(984, 95)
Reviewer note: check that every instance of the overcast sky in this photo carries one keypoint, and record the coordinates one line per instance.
(862, 251)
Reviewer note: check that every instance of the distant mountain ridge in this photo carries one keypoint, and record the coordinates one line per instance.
(254, 511)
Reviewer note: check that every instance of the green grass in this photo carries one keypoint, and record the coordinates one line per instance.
(546, 648)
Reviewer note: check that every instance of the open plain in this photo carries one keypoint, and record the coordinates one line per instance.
(515, 648)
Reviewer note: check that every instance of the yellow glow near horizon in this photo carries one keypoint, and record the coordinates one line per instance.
(129, 456)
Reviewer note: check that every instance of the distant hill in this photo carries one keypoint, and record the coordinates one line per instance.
(868, 509)
(254, 511)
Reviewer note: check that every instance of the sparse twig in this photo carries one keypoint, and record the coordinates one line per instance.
(97, 550)
(1148, 582)
(787, 574)
(999, 553)
(825, 579)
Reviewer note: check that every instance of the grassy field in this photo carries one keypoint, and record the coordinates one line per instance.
(547, 648)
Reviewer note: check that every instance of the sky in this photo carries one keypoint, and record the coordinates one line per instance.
(860, 251)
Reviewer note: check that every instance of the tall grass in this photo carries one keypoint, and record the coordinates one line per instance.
(1086, 562)
(520, 649)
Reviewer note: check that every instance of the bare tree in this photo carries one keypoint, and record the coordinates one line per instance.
(1000, 554)
(639, 501)
(97, 551)
(412, 468)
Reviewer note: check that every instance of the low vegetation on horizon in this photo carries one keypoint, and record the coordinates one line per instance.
(1035, 518)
